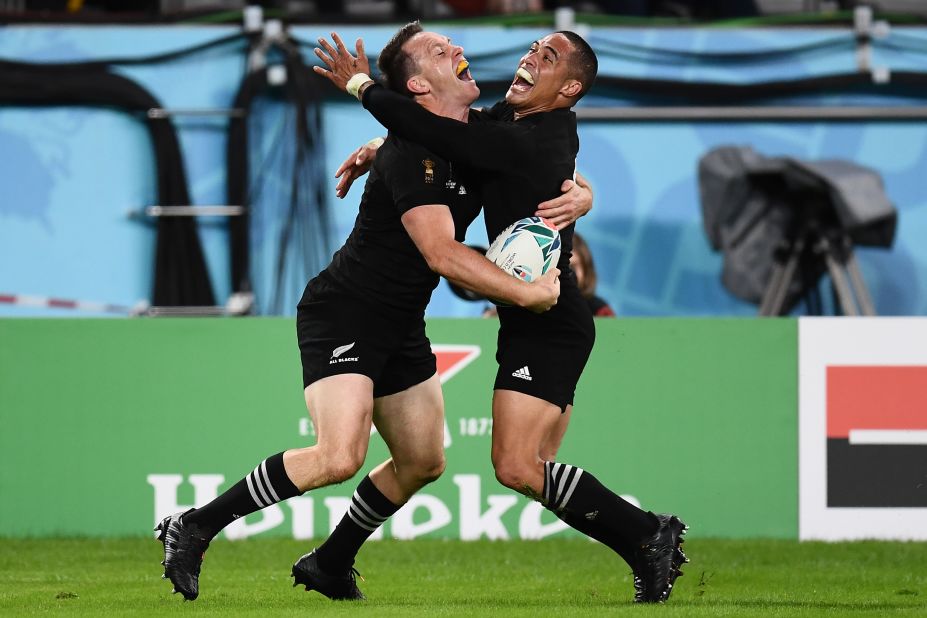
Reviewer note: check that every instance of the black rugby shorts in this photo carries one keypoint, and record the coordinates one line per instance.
(338, 334)
(544, 355)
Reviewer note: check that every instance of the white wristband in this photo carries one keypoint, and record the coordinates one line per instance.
(354, 84)
(375, 142)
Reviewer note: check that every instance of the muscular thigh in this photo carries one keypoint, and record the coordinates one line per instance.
(521, 425)
(341, 408)
(412, 422)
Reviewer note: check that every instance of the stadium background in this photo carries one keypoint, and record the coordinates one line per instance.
(76, 178)
(73, 175)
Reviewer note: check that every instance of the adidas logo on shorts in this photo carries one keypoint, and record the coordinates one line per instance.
(523, 373)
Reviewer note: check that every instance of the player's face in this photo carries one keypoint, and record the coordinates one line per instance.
(442, 65)
(541, 75)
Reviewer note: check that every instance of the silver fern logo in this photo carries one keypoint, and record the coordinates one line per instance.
(342, 349)
(337, 352)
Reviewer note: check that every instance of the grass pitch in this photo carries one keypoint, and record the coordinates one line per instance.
(448, 578)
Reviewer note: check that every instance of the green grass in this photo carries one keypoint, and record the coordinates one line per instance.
(547, 578)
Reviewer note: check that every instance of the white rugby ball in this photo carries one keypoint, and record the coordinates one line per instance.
(526, 249)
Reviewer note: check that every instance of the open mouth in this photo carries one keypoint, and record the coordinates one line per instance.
(523, 80)
(463, 71)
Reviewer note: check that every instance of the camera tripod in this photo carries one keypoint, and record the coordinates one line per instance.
(836, 251)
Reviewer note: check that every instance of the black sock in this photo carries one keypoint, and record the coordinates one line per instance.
(369, 508)
(580, 500)
(267, 484)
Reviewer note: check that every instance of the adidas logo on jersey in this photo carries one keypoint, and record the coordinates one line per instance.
(523, 373)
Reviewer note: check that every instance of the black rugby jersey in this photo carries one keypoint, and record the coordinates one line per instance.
(520, 164)
(379, 262)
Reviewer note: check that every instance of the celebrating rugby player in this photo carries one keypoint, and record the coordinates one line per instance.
(521, 149)
(365, 356)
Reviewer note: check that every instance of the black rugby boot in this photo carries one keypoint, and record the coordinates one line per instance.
(343, 587)
(658, 560)
(184, 547)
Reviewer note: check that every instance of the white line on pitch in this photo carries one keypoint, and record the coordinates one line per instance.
(888, 436)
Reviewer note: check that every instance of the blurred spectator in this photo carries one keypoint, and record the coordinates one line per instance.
(584, 268)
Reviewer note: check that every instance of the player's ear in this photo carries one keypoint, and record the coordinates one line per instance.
(571, 88)
(417, 85)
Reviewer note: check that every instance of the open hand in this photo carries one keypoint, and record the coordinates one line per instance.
(342, 66)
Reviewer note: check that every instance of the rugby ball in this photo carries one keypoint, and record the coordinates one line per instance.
(526, 249)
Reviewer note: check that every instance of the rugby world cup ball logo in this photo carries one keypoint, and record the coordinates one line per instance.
(526, 249)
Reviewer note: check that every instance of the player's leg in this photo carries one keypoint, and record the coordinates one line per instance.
(527, 432)
(550, 446)
(341, 407)
(411, 423)
(409, 413)
(549, 449)
(548, 368)
(520, 424)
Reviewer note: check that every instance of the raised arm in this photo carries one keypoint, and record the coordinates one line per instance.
(432, 229)
(485, 145)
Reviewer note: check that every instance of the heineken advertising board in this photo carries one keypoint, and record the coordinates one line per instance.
(110, 424)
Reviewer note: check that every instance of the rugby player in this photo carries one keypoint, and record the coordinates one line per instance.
(365, 355)
(522, 148)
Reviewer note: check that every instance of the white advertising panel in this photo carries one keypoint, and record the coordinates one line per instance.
(862, 428)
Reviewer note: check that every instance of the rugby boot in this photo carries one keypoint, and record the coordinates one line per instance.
(658, 561)
(184, 547)
(342, 587)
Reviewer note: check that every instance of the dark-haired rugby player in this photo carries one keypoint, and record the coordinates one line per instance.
(522, 149)
(365, 356)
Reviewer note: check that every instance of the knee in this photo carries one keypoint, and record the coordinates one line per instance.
(343, 466)
(432, 469)
(512, 473)
(424, 470)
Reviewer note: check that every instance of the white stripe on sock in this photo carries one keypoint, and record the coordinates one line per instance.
(260, 486)
(554, 470)
(266, 478)
(361, 514)
(254, 495)
(561, 485)
(359, 522)
(566, 498)
(376, 516)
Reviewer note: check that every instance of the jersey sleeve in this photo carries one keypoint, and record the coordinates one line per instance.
(501, 111)
(415, 177)
(482, 145)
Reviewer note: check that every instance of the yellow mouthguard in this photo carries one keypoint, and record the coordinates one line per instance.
(462, 66)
